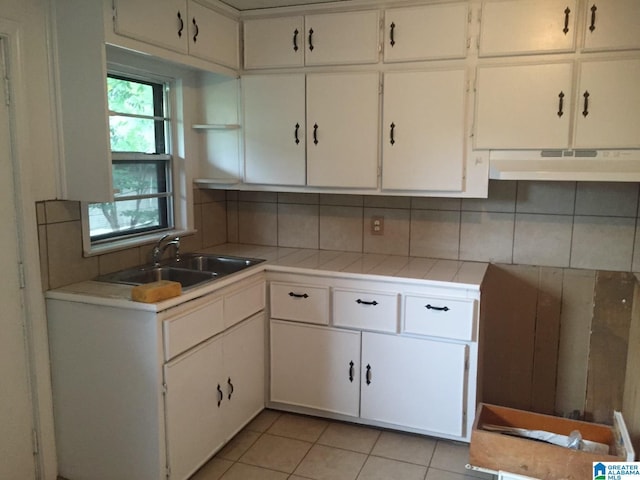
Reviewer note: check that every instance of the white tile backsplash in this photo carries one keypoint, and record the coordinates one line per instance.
(546, 197)
(603, 243)
(543, 240)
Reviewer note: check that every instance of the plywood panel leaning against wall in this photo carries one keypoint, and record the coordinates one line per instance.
(631, 398)
(608, 345)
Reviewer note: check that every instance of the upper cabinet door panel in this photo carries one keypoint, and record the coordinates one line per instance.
(274, 42)
(612, 25)
(342, 38)
(274, 129)
(608, 105)
(426, 33)
(527, 27)
(423, 130)
(213, 36)
(524, 106)
(160, 23)
(342, 126)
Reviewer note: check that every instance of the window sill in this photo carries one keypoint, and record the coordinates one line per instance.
(127, 243)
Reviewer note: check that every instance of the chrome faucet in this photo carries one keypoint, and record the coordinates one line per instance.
(158, 249)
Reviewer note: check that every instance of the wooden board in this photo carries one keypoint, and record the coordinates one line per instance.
(631, 398)
(608, 344)
(495, 451)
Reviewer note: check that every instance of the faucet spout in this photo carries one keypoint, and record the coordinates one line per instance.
(159, 249)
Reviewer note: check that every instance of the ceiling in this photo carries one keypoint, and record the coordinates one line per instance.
(255, 4)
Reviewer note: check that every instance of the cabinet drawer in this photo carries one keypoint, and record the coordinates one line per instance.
(192, 326)
(304, 303)
(243, 303)
(439, 317)
(366, 310)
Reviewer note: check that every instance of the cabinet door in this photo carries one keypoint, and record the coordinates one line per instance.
(342, 125)
(244, 365)
(423, 130)
(425, 33)
(315, 367)
(612, 25)
(213, 36)
(527, 27)
(342, 38)
(608, 105)
(413, 382)
(274, 42)
(192, 407)
(274, 129)
(161, 23)
(523, 106)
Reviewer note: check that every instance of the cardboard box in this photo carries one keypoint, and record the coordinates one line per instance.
(500, 452)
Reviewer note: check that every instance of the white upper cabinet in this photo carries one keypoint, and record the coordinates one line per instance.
(423, 143)
(426, 32)
(274, 129)
(608, 104)
(517, 27)
(274, 42)
(160, 23)
(342, 130)
(320, 39)
(213, 36)
(184, 26)
(342, 38)
(612, 25)
(523, 106)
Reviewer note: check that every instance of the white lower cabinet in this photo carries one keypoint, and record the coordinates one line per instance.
(152, 395)
(378, 356)
(315, 367)
(414, 382)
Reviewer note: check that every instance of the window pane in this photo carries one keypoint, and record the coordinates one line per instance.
(126, 96)
(139, 178)
(126, 216)
(132, 134)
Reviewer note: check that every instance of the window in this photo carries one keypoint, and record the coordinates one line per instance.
(139, 127)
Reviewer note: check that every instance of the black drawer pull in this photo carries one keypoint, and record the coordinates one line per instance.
(585, 111)
(392, 135)
(368, 375)
(220, 395)
(560, 104)
(295, 133)
(392, 36)
(351, 372)
(315, 133)
(195, 35)
(230, 387)
(311, 39)
(363, 302)
(440, 309)
(295, 40)
(181, 24)
(298, 295)
(592, 27)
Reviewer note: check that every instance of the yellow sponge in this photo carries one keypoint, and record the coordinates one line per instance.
(156, 291)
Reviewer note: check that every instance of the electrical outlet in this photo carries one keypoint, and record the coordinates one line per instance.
(377, 225)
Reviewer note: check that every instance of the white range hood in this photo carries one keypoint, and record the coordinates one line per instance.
(567, 165)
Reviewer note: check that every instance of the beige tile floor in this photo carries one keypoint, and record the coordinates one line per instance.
(285, 446)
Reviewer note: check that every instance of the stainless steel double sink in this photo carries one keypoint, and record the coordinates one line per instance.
(191, 270)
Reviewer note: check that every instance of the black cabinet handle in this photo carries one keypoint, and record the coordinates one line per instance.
(592, 27)
(440, 309)
(195, 35)
(311, 39)
(351, 372)
(230, 387)
(560, 104)
(315, 133)
(567, 11)
(298, 295)
(392, 34)
(585, 111)
(392, 139)
(363, 302)
(220, 395)
(368, 375)
(181, 24)
(295, 40)
(295, 133)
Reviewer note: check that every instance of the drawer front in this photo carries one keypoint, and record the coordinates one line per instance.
(243, 303)
(439, 317)
(365, 310)
(302, 303)
(192, 327)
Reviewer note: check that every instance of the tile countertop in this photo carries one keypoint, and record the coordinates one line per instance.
(367, 266)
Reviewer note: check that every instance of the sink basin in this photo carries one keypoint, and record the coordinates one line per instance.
(191, 270)
(218, 264)
(140, 275)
